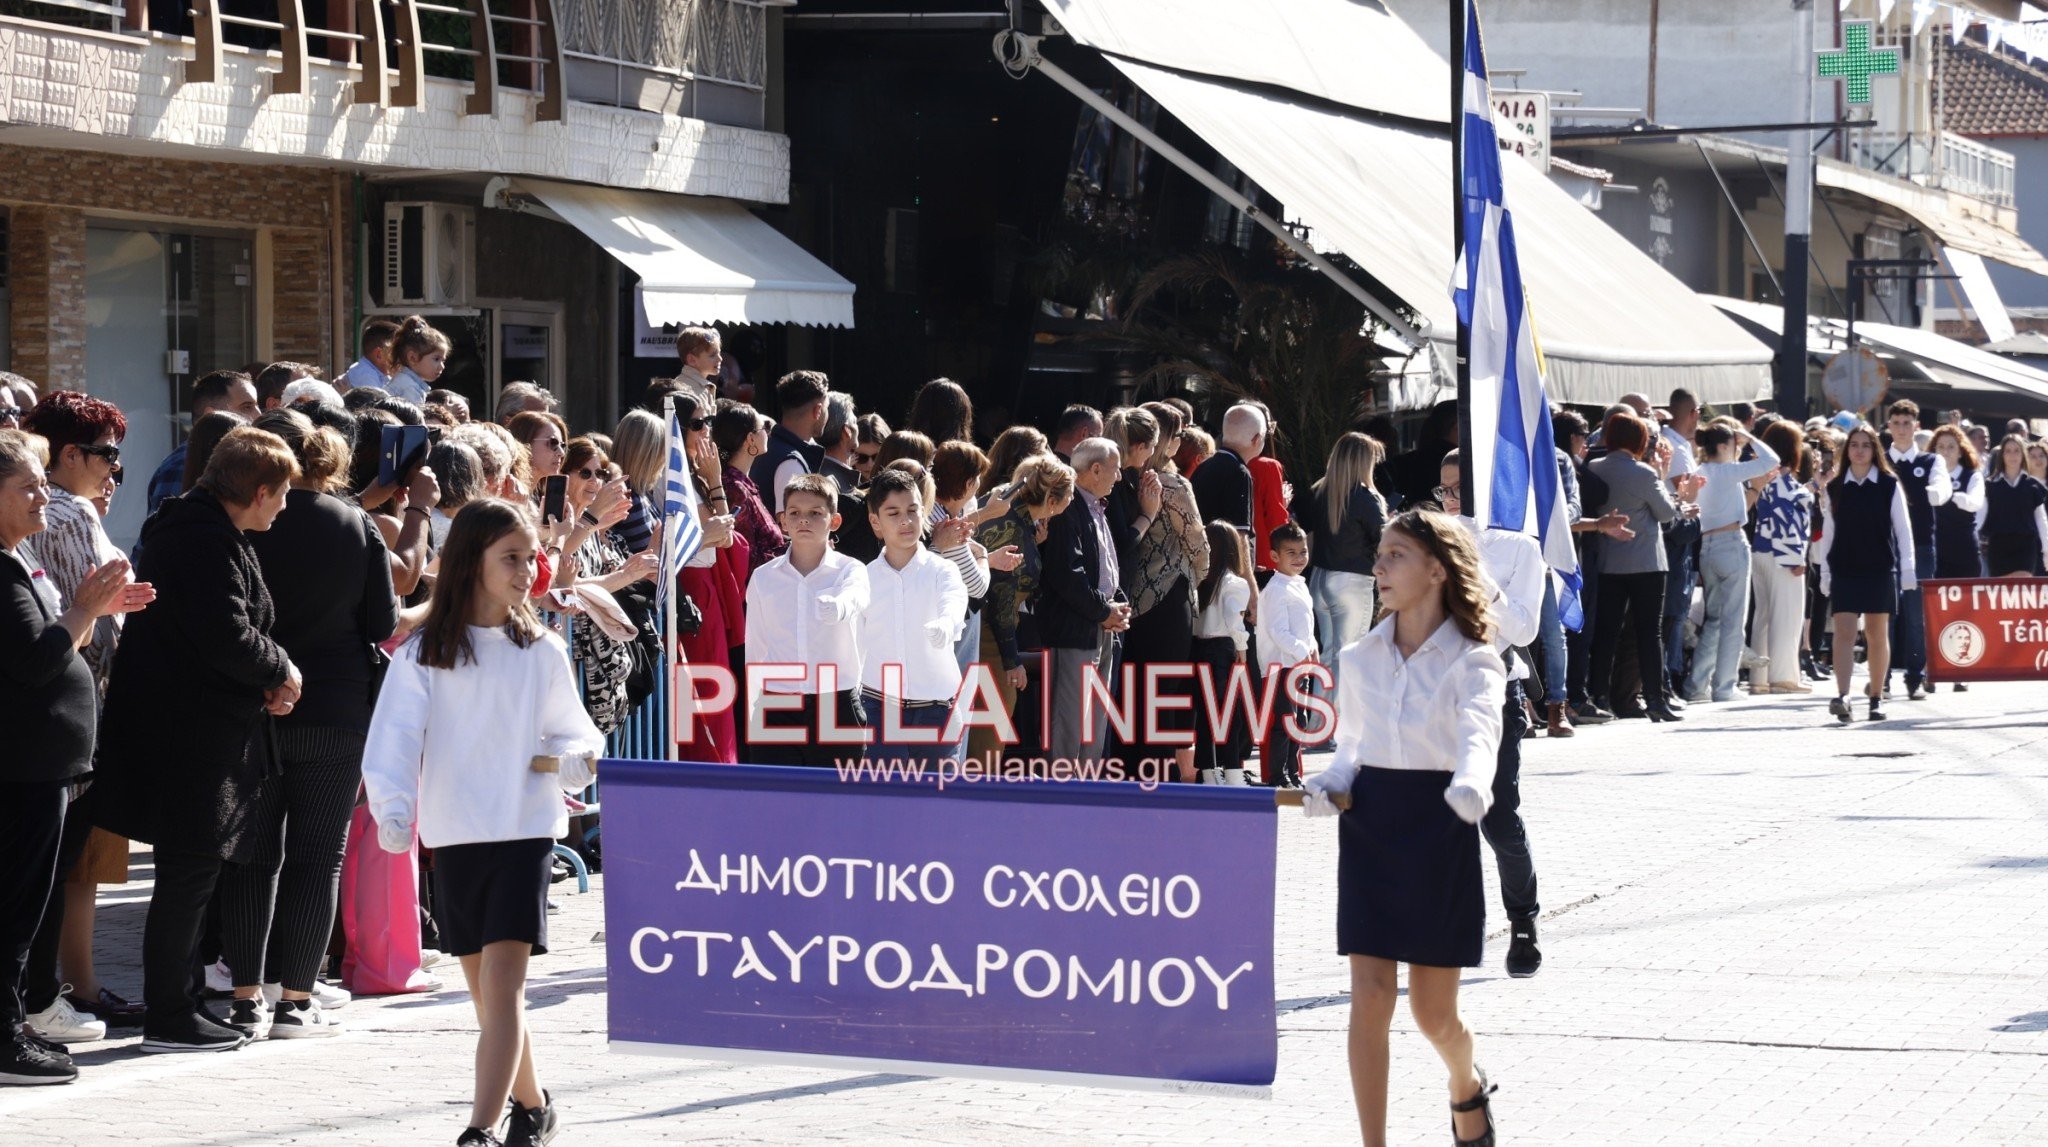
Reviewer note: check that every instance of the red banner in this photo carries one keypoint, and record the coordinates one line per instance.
(1987, 629)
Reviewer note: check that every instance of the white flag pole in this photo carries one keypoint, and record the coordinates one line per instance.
(671, 640)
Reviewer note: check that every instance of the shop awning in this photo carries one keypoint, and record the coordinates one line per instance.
(1324, 104)
(1923, 364)
(702, 260)
(1935, 211)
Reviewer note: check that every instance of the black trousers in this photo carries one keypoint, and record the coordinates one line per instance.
(185, 884)
(41, 983)
(812, 753)
(31, 825)
(1503, 823)
(277, 910)
(1640, 597)
(1219, 747)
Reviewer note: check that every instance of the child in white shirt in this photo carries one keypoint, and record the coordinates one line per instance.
(1221, 638)
(803, 613)
(478, 732)
(1287, 638)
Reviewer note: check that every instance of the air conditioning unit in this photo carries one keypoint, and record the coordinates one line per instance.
(429, 254)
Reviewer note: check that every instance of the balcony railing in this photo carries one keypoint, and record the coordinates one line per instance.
(1948, 161)
(702, 58)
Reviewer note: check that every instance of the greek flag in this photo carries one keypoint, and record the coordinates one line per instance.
(682, 531)
(1515, 481)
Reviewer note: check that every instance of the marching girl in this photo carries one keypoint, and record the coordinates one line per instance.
(1956, 553)
(1866, 561)
(477, 734)
(2015, 528)
(1418, 730)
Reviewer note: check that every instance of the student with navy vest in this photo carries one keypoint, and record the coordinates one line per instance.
(792, 446)
(1927, 485)
(1956, 552)
(1866, 560)
(2014, 524)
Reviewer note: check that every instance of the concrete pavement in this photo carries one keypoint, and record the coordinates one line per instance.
(1761, 927)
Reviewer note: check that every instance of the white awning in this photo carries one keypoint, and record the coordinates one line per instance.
(702, 260)
(1937, 211)
(1968, 374)
(1608, 318)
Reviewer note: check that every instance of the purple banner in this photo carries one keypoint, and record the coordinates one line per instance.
(1086, 933)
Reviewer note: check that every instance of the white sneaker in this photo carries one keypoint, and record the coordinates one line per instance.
(330, 996)
(250, 1017)
(62, 1023)
(431, 956)
(271, 994)
(220, 981)
(301, 1019)
(1233, 777)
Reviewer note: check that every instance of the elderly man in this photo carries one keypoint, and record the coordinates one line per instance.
(1081, 610)
(1223, 484)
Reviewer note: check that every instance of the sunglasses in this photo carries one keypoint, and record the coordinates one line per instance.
(11, 413)
(550, 443)
(863, 458)
(697, 423)
(603, 473)
(111, 453)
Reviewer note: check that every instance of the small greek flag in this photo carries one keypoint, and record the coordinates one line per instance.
(1515, 481)
(682, 531)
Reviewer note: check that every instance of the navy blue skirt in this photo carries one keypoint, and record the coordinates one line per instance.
(1863, 593)
(1409, 885)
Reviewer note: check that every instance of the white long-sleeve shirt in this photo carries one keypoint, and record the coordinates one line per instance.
(807, 620)
(1967, 492)
(452, 749)
(1902, 536)
(1721, 501)
(1225, 615)
(1940, 487)
(1439, 708)
(906, 609)
(1515, 573)
(1287, 622)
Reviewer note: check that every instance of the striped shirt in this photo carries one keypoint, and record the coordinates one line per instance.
(72, 546)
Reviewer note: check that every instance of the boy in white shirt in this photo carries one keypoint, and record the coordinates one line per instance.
(1287, 638)
(803, 613)
(917, 606)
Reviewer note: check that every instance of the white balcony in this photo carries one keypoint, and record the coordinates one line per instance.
(1947, 162)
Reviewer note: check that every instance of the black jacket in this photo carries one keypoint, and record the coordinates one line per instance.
(856, 537)
(330, 576)
(47, 699)
(1070, 609)
(782, 443)
(1222, 486)
(187, 744)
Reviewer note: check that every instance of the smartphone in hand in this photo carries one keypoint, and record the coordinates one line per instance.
(401, 450)
(554, 499)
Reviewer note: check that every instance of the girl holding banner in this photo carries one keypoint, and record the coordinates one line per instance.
(1418, 730)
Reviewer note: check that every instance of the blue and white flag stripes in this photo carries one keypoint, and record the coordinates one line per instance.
(682, 529)
(1515, 480)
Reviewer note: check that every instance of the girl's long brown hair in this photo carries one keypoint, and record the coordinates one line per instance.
(1879, 458)
(1452, 545)
(444, 636)
(1226, 555)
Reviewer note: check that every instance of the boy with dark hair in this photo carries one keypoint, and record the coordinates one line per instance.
(792, 445)
(1287, 638)
(374, 367)
(1925, 481)
(804, 610)
(917, 607)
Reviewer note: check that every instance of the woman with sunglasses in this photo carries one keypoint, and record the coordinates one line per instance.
(85, 454)
(596, 501)
(544, 434)
(741, 435)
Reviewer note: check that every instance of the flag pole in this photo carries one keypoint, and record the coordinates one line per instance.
(1462, 356)
(670, 640)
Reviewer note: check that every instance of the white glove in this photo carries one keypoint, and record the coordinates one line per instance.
(828, 609)
(395, 835)
(1468, 802)
(1318, 790)
(939, 633)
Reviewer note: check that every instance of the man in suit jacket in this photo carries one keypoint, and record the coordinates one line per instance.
(1223, 483)
(1081, 610)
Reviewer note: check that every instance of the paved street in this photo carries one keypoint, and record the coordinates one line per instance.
(1760, 928)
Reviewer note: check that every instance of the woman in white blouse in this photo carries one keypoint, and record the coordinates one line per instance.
(1418, 729)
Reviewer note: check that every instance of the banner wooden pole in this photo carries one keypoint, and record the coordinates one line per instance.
(1295, 798)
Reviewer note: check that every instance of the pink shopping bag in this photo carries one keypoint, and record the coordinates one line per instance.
(380, 914)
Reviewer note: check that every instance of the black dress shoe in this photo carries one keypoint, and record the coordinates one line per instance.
(1630, 712)
(1524, 957)
(1659, 713)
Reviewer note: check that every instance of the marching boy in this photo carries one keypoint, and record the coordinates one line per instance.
(1287, 637)
(804, 609)
(917, 606)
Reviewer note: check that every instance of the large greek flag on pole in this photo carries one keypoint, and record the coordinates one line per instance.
(1515, 482)
(682, 531)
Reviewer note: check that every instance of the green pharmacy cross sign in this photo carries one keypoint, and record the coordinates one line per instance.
(1854, 62)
